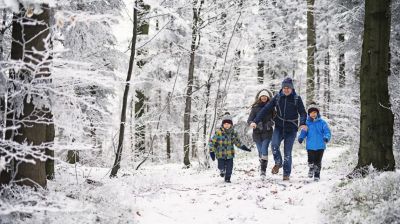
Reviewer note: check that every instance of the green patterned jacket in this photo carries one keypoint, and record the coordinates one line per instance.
(222, 143)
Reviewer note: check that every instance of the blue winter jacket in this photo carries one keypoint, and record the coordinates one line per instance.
(287, 111)
(317, 131)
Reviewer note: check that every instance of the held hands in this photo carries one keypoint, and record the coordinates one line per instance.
(212, 156)
(300, 140)
(304, 127)
(326, 140)
(253, 125)
(243, 147)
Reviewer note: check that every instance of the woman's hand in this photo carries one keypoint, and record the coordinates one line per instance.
(253, 125)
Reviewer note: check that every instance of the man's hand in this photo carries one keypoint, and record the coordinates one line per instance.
(304, 127)
(253, 125)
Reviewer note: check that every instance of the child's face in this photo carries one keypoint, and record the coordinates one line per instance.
(227, 125)
(313, 114)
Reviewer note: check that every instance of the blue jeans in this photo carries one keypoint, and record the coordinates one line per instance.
(262, 147)
(227, 166)
(288, 137)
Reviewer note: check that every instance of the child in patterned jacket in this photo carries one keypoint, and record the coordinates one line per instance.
(222, 147)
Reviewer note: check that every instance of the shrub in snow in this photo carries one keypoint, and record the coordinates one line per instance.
(374, 199)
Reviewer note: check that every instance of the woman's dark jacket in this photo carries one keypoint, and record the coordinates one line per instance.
(265, 126)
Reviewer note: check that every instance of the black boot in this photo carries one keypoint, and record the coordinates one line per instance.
(317, 171)
(227, 179)
(311, 170)
(263, 165)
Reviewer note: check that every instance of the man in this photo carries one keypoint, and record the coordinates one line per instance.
(288, 106)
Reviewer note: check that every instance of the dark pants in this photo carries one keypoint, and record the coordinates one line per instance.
(227, 166)
(288, 137)
(314, 160)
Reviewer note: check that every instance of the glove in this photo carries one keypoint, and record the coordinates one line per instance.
(243, 147)
(212, 156)
(326, 140)
(300, 140)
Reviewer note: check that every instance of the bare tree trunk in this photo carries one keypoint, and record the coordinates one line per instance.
(342, 63)
(118, 154)
(140, 134)
(30, 42)
(311, 46)
(189, 89)
(260, 63)
(272, 70)
(327, 86)
(168, 139)
(377, 119)
(73, 156)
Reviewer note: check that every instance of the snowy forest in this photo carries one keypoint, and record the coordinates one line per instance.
(109, 111)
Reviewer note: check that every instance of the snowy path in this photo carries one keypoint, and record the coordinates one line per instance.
(189, 196)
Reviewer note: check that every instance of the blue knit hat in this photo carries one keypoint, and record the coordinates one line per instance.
(287, 82)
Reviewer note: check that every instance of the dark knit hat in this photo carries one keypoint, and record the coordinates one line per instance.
(227, 118)
(312, 107)
(287, 82)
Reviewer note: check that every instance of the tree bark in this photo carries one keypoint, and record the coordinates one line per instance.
(311, 46)
(376, 139)
(327, 86)
(342, 63)
(30, 34)
(140, 144)
(118, 154)
(189, 88)
(168, 139)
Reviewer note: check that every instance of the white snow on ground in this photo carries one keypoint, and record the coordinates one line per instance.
(169, 194)
(203, 197)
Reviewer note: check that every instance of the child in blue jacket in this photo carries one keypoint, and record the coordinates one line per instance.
(318, 135)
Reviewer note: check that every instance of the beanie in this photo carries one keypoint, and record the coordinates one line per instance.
(287, 82)
(227, 118)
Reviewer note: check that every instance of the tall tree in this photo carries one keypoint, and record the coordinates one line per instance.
(189, 89)
(376, 139)
(140, 128)
(118, 154)
(311, 46)
(342, 63)
(30, 44)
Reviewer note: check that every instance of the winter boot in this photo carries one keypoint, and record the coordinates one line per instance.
(227, 179)
(286, 178)
(317, 171)
(222, 173)
(263, 165)
(311, 170)
(275, 169)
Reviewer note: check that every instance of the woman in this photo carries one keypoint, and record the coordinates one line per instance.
(263, 133)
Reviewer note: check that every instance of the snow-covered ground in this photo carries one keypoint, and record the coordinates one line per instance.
(169, 194)
(203, 197)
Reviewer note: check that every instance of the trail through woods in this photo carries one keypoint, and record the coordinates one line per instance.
(190, 196)
(167, 193)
